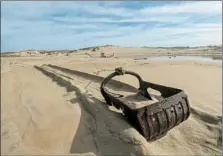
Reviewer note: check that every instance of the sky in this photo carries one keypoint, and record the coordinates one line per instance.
(57, 25)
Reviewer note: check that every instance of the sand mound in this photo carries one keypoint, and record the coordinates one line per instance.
(112, 135)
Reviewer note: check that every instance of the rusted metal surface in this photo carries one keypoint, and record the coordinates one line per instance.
(154, 115)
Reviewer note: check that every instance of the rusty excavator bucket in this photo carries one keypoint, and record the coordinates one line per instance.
(153, 115)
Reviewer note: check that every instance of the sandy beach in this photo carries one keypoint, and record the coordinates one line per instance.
(52, 111)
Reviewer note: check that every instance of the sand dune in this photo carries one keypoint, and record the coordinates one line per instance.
(124, 52)
(53, 105)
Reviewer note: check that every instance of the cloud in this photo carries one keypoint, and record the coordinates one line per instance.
(71, 25)
(214, 7)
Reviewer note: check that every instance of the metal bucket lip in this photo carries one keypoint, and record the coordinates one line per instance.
(161, 103)
(174, 92)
